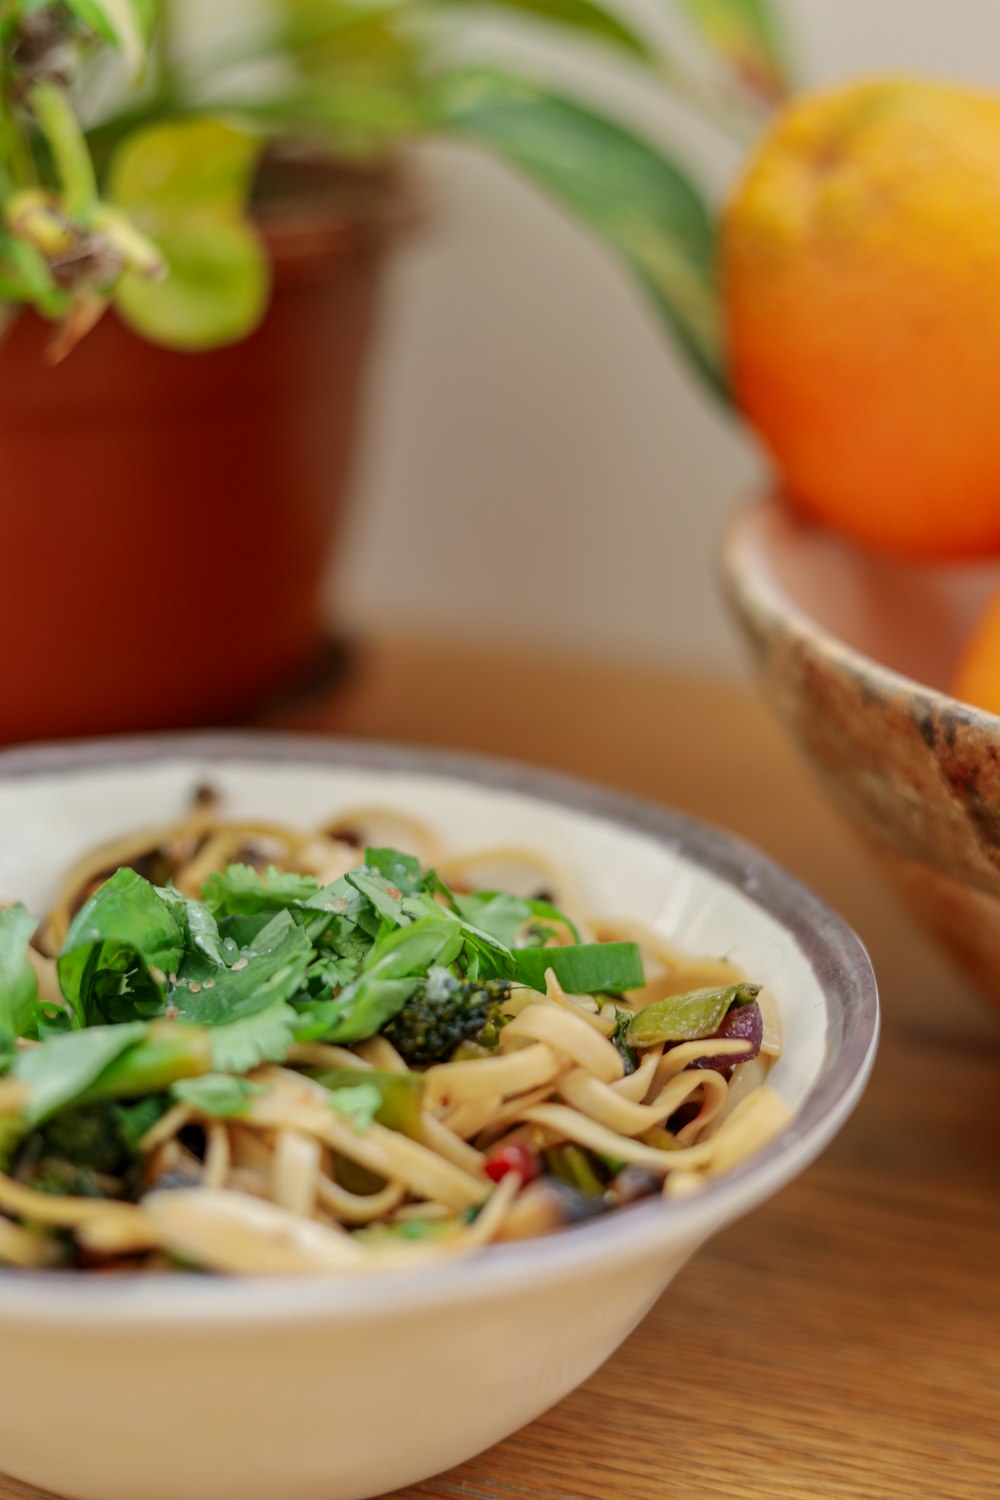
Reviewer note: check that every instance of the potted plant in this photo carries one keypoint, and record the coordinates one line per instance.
(190, 248)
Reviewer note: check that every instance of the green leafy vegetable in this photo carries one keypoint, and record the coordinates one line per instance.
(60, 1070)
(384, 895)
(138, 1118)
(273, 969)
(167, 1052)
(84, 1152)
(392, 973)
(400, 1095)
(584, 968)
(265, 1036)
(217, 1094)
(18, 986)
(119, 950)
(402, 869)
(512, 920)
(358, 1102)
(240, 890)
(689, 1017)
(574, 1166)
(619, 1038)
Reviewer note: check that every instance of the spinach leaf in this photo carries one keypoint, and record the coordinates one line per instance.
(583, 969)
(120, 948)
(18, 987)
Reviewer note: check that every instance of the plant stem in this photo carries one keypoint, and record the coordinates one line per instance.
(66, 140)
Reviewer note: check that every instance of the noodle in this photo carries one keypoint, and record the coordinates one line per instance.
(323, 1153)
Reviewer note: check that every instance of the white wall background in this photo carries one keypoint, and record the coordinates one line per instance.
(538, 463)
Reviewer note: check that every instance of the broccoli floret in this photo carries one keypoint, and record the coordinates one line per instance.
(445, 1012)
(82, 1152)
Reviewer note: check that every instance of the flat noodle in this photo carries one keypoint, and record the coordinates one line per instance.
(451, 1083)
(568, 1034)
(284, 1184)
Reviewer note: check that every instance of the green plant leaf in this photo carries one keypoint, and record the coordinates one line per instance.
(185, 184)
(644, 207)
(747, 36)
(124, 24)
(576, 15)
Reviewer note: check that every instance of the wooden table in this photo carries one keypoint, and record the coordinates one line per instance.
(843, 1342)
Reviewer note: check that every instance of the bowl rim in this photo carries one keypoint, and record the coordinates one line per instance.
(755, 592)
(836, 954)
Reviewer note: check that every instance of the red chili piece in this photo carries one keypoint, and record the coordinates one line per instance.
(512, 1159)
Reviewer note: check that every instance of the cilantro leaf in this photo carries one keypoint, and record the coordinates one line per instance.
(392, 972)
(385, 896)
(274, 969)
(512, 920)
(359, 1103)
(403, 870)
(240, 890)
(265, 1036)
(217, 1094)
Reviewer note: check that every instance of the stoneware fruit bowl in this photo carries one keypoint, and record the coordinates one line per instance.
(176, 1385)
(855, 653)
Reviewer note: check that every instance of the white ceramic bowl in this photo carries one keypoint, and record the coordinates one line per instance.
(195, 1388)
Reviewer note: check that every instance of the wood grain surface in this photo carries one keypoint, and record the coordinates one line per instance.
(843, 1342)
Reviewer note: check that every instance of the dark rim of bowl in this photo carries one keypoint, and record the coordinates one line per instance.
(833, 951)
(760, 596)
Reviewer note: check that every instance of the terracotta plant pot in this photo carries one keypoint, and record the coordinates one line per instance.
(168, 518)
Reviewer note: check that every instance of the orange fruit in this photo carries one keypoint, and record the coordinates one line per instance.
(861, 282)
(977, 675)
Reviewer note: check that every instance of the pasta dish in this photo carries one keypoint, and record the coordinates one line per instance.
(246, 1048)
